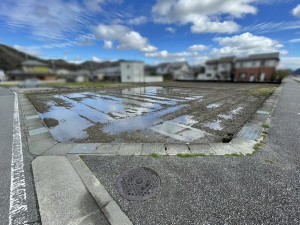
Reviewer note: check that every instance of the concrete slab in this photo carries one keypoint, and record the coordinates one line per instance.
(33, 124)
(250, 131)
(60, 149)
(41, 146)
(223, 149)
(201, 149)
(109, 207)
(39, 137)
(152, 148)
(62, 197)
(107, 149)
(263, 112)
(28, 107)
(84, 149)
(243, 145)
(28, 112)
(31, 117)
(130, 149)
(38, 131)
(174, 149)
(99, 193)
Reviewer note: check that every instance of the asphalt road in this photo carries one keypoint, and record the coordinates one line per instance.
(7, 98)
(259, 189)
(6, 125)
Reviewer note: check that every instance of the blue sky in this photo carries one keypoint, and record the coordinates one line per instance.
(155, 31)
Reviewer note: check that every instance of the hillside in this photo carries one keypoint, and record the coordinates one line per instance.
(11, 58)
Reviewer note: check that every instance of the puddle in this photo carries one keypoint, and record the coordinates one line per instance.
(180, 129)
(231, 115)
(139, 123)
(128, 110)
(213, 106)
(216, 125)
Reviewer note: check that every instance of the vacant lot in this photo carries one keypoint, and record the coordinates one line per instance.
(168, 113)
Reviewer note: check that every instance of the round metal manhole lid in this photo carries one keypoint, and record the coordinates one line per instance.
(138, 184)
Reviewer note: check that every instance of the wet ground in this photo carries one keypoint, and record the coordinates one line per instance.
(184, 113)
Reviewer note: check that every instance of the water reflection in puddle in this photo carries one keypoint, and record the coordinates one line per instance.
(213, 106)
(216, 125)
(128, 110)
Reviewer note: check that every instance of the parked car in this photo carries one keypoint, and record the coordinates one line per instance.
(29, 83)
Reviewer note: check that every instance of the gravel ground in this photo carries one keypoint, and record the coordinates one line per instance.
(215, 122)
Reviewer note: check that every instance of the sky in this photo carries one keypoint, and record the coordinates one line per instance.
(153, 31)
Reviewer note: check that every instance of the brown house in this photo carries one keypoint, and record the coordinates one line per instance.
(32, 69)
(256, 68)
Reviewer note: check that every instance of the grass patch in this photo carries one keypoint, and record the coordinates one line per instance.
(87, 84)
(261, 91)
(266, 126)
(269, 161)
(155, 155)
(190, 155)
(236, 154)
(257, 146)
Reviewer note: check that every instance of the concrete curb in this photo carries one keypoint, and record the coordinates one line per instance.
(109, 207)
(41, 142)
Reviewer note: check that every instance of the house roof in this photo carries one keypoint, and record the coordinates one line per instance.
(212, 61)
(274, 55)
(227, 59)
(177, 65)
(33, 63)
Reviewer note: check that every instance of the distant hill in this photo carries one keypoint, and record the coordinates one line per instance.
(297, 72)
(11, 59)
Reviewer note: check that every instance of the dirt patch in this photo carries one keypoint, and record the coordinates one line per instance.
(169, 113)
(50, 122)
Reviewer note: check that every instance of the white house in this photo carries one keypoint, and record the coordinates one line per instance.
(179, 70)
(219, 69)
(132, 71)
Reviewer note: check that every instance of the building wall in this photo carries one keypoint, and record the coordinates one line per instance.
(224, 71)
(35, 69)
(211, 71)
(132, 72)
(263, 74)
(151, 79)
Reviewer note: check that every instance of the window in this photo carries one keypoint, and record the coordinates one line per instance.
(128, 66)
(241, 64)
(242, 75)
(128, 77)
(208, 75)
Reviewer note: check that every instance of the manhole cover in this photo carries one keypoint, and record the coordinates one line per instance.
(138, 184)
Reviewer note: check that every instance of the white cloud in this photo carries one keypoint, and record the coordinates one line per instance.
(48, 20)
(96, 59)
(205, 16)
(198, 48)
(171, 30)
(290, 62)
(138, 20)
(30, 50)
(167, 55)
(296, 11)
(127, 38)
(297, 40)
(108, 45)
(246, 44)
(267, 27)
(94, 5)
